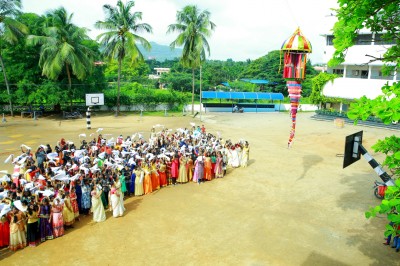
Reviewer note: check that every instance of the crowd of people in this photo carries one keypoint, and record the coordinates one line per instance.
(50, 189)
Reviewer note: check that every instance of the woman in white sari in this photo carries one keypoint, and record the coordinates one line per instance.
(234, 157)
(116, 204)
(245, 155)
(99, 214)
(139, 182)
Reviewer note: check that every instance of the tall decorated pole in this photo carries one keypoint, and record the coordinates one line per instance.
(295, 50)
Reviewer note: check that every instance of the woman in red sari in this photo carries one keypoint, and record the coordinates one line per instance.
(155, 180)
(147, 186)
(174, 169)
(56, 218)
(74, 203)
(189, 168)
(168, 172)
(162, 173)
(207, 167)
(5, 230)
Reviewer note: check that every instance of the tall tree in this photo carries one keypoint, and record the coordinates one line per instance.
(120, 39)
(62, 48)
(381, 17)
(194, 27)
(10, 31)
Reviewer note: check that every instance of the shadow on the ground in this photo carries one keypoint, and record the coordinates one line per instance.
(308, 162)
(371, 244)
(250, 162)
(316, 258)
(359, 193)
(359, 196)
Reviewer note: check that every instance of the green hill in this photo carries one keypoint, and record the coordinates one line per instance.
(160, 52)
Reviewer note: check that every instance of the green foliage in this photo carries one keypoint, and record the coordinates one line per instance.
(119, 41)
(122, 27)
(378, 16)
(238, 85)
(193, 27)
(11, 30)
(179, 81)
(318, 83)
(269, 67)
(62, 47)
(386, 106)
(136, 72)
(135, 94)
(390, 206)
(390, 146)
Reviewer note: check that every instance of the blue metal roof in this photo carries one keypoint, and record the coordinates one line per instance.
(259, 81)
(256, 81)
(241, 95)
(226, 84)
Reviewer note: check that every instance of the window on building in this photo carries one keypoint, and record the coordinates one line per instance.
(363, 39)
(364, 74)
(338, 71)
(379, 40)
(329, 40)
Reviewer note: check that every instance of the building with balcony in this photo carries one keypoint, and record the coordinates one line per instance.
(360, 75)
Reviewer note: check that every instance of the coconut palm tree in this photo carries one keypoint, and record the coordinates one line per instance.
(10, 31)
(121, 37)
(62, 48)
(194, 27)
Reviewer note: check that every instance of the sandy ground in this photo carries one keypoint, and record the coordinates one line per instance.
(288, 207)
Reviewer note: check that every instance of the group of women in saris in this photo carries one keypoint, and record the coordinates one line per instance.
(99, 175)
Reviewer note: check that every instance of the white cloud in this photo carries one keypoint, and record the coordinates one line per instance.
(245, 30)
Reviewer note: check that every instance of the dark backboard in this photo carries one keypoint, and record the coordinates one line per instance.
(351, 152)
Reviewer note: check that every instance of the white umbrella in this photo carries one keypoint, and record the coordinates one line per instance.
(5, 208)
(124, 153)
(75, 177)
(5, 178)
(22, 160)
(61, 176)
(18, 205)
(78, 153)
(47, 193)
(52, 156)
(9, 158)
(26, 147)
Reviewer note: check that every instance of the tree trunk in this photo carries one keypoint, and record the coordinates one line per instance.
(200, 93)
(192, 91)
(119, 85)
(69, 85)
(7, 85)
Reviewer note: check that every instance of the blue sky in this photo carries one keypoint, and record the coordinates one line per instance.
(245, 29)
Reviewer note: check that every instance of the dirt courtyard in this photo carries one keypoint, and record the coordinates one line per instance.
(288, 207)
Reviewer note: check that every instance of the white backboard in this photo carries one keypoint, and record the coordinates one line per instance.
(94, 99)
